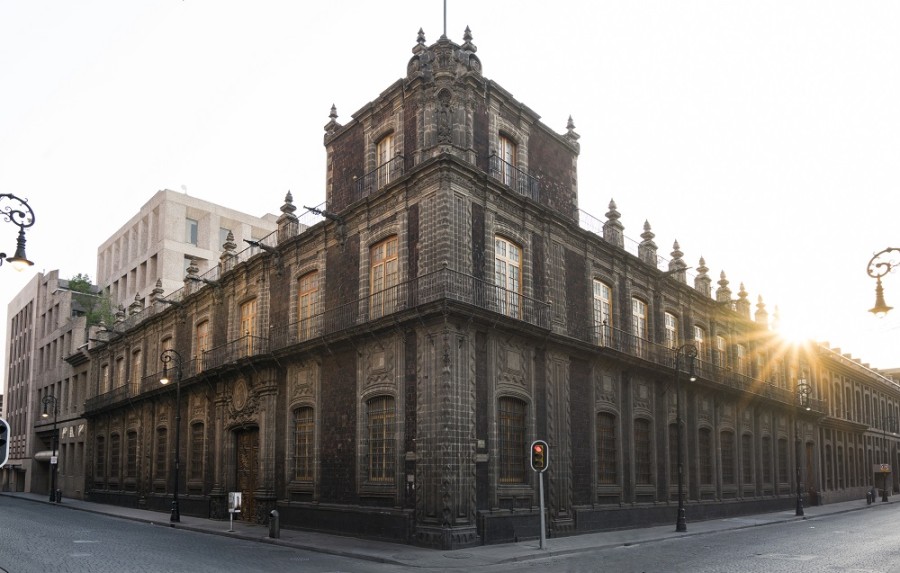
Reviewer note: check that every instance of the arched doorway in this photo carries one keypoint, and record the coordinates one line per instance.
(247, 448)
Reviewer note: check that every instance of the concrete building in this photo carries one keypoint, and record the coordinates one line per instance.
(382, 372)
(46, 372)
(160, 241)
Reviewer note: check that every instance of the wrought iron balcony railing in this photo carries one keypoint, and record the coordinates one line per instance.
(379, 177)
(510, 175)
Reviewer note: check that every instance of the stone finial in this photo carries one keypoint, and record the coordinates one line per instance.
(703, 283)
(156, 292)
(467, 41)
(742, 305)
(420, 43)
(120, 313)
(677, 266)
(723, 293)
(332, 126)
(613, 230)
(762, 315)
(136, 306)
(571, 135)
(288, 223)
(647, 248)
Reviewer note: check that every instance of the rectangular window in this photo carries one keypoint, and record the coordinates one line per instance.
(190, 231)
(384, 153)
(162, 447)
(603, 312)
(115, 455)
(384, 277)
(727, 458)
(201, 339)
(248, 325)
(100, 459)
(120, 371)
(131, 457)
(767, 460)
(513, 450)
(783, 460)
(643, 458)
(136, 368)
(508, 161)
(104, 379)
(672, 339)
(741, 356)
(508, 276)
(307, 305)
(380, 421)
(721, 355)
(607, 465)
(700, 342)
(747, 459)
(304, 444)
(704, 450)
(195, 467)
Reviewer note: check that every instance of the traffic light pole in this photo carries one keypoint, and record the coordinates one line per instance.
(543, 519)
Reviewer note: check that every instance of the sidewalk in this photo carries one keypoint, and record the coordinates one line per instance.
(412, 556)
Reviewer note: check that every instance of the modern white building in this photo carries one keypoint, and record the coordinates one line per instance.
(160, 241)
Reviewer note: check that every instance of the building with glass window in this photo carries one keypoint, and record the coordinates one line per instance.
(159, 243)
(380, 367)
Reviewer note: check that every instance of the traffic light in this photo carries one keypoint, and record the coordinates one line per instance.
(540, 456)
(4, 442)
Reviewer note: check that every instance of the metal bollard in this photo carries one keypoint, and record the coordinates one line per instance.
(274, 525)
(59, 496)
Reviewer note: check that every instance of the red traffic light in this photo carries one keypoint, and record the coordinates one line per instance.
(539, 456)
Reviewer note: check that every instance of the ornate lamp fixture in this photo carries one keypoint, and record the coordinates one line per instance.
(21, 215)
(881, 264)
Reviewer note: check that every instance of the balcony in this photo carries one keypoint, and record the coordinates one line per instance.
(658, 355)
(378, 177)
(513, 177)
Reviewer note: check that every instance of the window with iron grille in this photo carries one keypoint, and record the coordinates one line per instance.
(782, 460)
(747, 459)
(727, 458)
(115, 455)
(672, 339)
(100, 459)
(513, 450)
(195, 471)
(131, 456)
(304, 443)
(643, 452)
(380, 421)
(607, 451)
(162, 459)
(767, 460)
(508, 155)
(704, 451)
(700, 342)
(673, 454)
(201, 338)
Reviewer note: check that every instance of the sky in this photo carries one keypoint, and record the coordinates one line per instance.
(763, 136)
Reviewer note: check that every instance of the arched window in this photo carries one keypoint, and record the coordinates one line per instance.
(384, 276)
(512, 440)
(643, 452)
(100, 459)
(201, 338)
(137, 368)
(700, 342)
(607, 451)
(508, 276)
(131, 455)
(304, 444)
(115, 456)
(384, 153)
(380, 422)
(672, 338)
(767, 460)
(508, 153)
(248, 327)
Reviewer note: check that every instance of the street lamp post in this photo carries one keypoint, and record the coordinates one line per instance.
(54, 441)
(803, 391)
(879, 265)
(21, 215)
(689, 351)
(166, 357)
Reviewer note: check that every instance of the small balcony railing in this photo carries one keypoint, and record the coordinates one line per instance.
(519, 181)
(379, 177)
(444, 284)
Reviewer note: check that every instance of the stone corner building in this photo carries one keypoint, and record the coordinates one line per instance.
(379, 367)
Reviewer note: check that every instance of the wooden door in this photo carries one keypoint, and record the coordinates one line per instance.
(247, 463)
